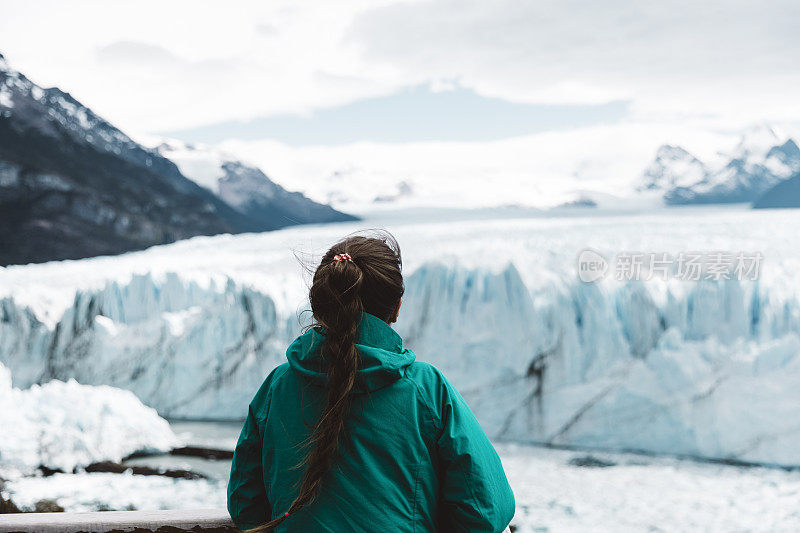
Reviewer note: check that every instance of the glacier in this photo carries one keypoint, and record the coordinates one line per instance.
(706, 369)
(66, 425)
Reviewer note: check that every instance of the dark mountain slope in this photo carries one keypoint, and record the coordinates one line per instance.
(72, 185)
(784, 194)
(245, 186)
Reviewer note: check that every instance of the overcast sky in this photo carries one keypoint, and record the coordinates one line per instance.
(203, 68)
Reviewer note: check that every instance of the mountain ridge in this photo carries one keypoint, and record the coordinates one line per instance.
(762, 159)
(243, 185)
(72, 185)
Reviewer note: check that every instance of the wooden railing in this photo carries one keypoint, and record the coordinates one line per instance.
(190, 520)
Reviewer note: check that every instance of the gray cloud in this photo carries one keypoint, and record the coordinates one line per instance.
(578, 50)
(673, 60)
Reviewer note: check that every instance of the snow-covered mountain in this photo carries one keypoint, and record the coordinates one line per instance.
(673, 167)
(701, 368)
(607, 168)
(764, 157)
(245, 187)
(72, 185)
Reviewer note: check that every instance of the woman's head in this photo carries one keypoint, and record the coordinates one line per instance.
(358, 274)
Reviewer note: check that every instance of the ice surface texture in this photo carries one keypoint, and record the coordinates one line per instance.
(67, 425)
(707, 369)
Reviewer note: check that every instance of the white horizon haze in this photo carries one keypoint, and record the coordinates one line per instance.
(585, 92)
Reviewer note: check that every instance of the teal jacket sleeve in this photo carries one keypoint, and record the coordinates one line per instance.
(476, 496)
(247, 498)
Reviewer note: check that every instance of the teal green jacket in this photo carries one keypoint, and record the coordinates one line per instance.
(412, 455)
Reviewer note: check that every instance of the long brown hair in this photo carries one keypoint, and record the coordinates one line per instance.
(358, 274)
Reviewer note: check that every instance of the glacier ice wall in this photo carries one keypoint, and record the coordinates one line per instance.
(185, 350)
(704, 368)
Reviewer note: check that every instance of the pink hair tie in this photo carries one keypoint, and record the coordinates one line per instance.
(343, 257)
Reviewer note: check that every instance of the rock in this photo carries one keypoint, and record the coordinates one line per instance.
(47, 471)
(590, 461)
(117, 468)
(205, 453)
(7, 506)
(48, 506)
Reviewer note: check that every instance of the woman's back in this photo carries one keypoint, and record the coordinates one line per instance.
(407, 438)
(352, 434)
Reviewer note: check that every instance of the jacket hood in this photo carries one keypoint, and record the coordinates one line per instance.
(382, 358)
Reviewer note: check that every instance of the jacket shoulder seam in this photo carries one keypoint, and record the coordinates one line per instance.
(420, 394)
